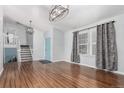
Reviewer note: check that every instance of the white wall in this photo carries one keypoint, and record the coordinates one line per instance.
(38, 45)
(1, 41)
(12, 27)
(58, 45)
(90, 60)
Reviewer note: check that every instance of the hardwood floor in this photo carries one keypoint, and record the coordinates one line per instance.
(55, 75)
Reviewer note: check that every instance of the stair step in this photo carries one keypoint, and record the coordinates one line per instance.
(24, 45)
(28, 58)
(25, 53)
(25, 50)
(25, 60)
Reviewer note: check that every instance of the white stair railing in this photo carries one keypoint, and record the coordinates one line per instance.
(10, 40)
(18, 52)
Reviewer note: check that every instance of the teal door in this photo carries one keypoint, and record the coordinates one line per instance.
(47, 49)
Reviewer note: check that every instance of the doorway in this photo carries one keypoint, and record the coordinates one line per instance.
(29, 37)
(48, 48)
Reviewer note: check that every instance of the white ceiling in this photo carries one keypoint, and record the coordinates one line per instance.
(22, 14)
(79, 15)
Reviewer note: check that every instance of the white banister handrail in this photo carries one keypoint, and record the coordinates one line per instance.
(10, 40)
(18, 51)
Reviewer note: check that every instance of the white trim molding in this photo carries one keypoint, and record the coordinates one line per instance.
(115, 72)
(1, 72)
(58, 60)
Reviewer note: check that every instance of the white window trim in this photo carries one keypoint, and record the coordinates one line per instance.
(89, 43)
(83, 32)
(90, 39)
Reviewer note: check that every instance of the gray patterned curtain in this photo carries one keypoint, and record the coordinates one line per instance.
(106, 57)
(75, 57)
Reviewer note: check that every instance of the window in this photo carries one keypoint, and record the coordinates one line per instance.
(87, 42)
(83, 43)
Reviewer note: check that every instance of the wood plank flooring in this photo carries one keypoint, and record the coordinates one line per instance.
(56, 75)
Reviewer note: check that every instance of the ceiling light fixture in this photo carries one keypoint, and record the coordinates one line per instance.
(30, 29)
(58, 12)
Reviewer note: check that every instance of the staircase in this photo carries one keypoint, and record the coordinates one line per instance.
(25, 53)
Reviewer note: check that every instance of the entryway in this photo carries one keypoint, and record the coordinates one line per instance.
(48, 48)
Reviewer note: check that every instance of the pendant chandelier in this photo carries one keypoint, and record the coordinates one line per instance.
(58, 12)
(30, 29)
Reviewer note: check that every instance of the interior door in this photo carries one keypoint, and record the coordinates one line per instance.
(47, 49)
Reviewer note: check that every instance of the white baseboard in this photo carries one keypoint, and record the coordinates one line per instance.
(82, 64)
(116, 72)
(58, 60)
(1, 72)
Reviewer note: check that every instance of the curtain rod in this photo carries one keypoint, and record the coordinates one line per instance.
(93, 26)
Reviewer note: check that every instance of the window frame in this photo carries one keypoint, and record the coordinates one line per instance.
(84, 32)
(90, 43)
